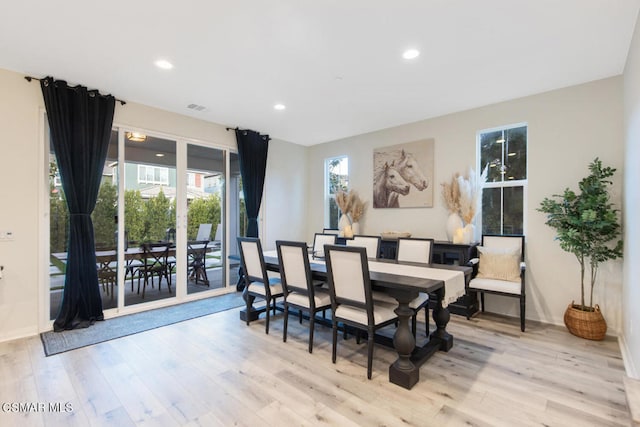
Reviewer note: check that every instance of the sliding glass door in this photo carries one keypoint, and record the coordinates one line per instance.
(166, 220)
(149, 217)
(205, 191)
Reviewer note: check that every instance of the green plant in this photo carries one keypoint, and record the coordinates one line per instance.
(586, 223)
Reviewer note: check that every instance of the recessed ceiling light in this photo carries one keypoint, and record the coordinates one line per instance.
(164, 64)
(279, 106)
(159, 154)
(411, 54)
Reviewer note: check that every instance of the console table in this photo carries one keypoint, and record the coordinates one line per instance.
(445, 253)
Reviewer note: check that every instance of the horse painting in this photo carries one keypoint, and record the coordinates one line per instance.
(387, 182)
(405, 164)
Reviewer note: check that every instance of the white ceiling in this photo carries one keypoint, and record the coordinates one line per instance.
(335, 64)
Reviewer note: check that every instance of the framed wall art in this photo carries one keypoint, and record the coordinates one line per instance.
(403, 175)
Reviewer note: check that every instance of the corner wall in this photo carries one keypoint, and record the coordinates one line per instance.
(631, 290)
(567, 129)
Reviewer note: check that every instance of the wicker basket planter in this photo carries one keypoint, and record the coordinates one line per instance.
(585, 324)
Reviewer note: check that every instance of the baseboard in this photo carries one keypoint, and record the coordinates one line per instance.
(629, 365)
(19, 334)
(632, 390)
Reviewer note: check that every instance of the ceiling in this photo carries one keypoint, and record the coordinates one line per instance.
(335, 65)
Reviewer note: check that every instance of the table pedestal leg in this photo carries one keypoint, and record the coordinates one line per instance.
(403, 372)
(441, 317)
(251, 314)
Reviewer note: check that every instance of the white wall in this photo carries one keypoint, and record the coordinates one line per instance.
(567, 129)
(631, 290)
(25, 274)
(285, 197)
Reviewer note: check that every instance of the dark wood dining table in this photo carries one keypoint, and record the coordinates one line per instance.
(405, 371)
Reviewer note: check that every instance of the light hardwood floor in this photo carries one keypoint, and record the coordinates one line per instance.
(215, 370)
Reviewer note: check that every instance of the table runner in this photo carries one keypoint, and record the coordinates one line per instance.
(453, 280)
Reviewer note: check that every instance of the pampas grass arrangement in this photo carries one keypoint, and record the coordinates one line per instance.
(350, 205)
(463, 195)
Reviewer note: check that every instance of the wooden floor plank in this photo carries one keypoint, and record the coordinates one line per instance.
(216, 371)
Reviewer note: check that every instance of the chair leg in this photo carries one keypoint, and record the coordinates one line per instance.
(286, 318)
(300, 316)
(370, 354)
(426, 319)
(311, 323)
(522, 308)
(482, 301)
(414, 324)
(335, 341)
(267, 312)
(248, 298)
(357, 336)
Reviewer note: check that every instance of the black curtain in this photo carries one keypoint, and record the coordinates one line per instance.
(252, 153)
(80, 124)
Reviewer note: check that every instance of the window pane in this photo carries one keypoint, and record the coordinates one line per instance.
(205, 211)
(513, 215)
(334, 213)
(516, 153)
(149, 211)
(491, 210)
(338, 174)
(491, 154)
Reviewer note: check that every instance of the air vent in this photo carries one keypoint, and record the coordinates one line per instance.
(196, 107)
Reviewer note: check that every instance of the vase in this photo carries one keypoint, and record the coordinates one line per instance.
(468, 233)
(355, 228)
(454, 222)
(343, 223)
(585, 324)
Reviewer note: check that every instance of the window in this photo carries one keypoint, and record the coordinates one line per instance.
(336, 178)
(153, 175)
(503, 151)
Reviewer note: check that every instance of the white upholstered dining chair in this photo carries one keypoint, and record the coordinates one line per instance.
(500, 269)
(371, 243)
(351, 301)
(300, 292)
(258, 283)
(321, 239)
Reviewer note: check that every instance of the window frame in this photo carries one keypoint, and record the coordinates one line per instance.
(504, 183)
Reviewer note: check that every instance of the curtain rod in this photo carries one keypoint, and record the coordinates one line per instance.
(268, 138)
(29, 78)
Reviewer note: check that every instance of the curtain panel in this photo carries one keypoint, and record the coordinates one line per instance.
(80, 123)
(252, 154)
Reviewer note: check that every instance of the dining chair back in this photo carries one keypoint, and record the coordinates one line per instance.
(321, 239)
(154, 262)
(197, 261)
(258, 284)
(415, 250)
(330, 231)
(352, 303)
(204, 232)
(371, 243)
(106, 261)
(299, 290)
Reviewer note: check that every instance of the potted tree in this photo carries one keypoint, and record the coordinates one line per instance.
(587, 226)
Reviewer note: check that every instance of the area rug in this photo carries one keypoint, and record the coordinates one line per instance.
(59, 342)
